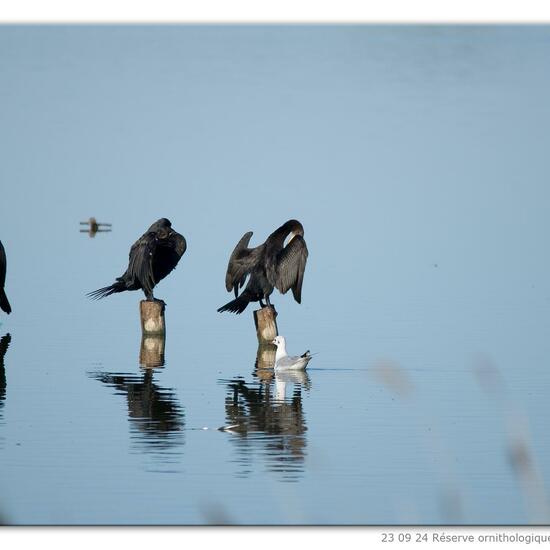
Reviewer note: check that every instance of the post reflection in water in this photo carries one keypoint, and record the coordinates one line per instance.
(156, 418)
(269, 420)
(265, 362)
(151, 351)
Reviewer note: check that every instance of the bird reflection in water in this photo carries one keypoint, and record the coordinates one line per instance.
(95, 227)
(269, 419)
(156, 418)
(4, 345)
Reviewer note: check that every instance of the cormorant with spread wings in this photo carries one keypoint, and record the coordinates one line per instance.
(155, 254)
(270, 265)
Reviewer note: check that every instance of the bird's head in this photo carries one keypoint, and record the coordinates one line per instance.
(294, 227)
(278, 341)
(159, 224)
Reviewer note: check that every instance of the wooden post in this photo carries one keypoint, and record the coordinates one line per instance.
(266, 325)
(151, 351)
(152, 317)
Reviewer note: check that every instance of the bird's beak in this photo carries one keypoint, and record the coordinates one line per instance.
(274, 342)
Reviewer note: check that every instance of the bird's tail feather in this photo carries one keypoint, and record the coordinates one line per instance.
(106, 291)
(4, 304)
(236, 306)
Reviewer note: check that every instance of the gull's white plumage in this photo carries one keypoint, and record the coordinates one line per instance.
(283, 361)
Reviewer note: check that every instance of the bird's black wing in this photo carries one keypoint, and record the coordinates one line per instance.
(241, 262)
(291, 265)
(178, 243)
(170, 248)
(140, 266)
(2, 265)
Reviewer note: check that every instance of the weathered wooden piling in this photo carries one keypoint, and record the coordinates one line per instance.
(152, 317)
(151, 351)
(266, 324)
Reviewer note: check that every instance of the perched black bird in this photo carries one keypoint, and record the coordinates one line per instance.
(4, 304)
(270, 265)
(155, 254)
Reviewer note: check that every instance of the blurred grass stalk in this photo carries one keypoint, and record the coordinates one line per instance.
(518, 444)
(398, 381)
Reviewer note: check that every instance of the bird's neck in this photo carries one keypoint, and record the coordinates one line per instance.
(281, 352)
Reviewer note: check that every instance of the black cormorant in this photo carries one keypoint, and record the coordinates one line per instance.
(155, 254)
(4, 304)
(270, 265)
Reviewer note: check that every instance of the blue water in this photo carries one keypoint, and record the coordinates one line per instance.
(416, 159)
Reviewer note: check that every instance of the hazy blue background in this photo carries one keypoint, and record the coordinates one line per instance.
(416, 159)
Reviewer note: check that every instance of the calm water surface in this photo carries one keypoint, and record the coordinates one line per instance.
(417, 160)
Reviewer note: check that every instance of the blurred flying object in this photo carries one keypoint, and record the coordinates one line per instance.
(270, 265)
(95, 227)
(153, 256)
(4, 304)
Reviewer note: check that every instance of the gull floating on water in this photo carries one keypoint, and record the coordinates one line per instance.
(283, 361)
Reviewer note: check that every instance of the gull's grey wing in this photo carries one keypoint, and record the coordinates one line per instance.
(241, 262)
(293, 361)
(287, 361)
(291, 265)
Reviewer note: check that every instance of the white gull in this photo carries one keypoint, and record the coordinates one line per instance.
(283, 361)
